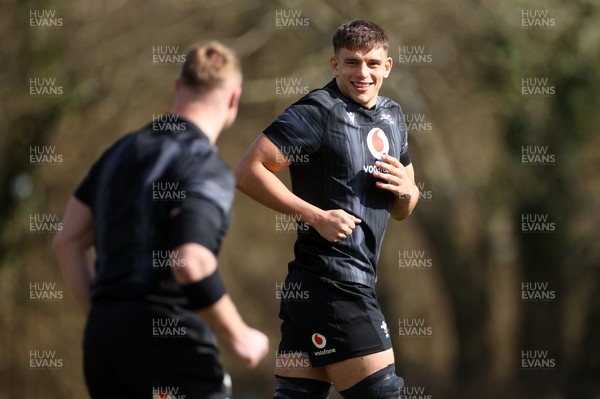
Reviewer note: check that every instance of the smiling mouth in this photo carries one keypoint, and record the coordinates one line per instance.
(359, 85)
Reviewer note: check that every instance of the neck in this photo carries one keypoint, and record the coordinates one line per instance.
(203, 114)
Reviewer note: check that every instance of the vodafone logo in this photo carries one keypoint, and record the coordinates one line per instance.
(319, 340)
(377, 142)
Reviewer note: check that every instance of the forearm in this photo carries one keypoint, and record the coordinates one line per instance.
(77, 272)
(404, 206)
(224, 319)
(264, 186)
(199, 264)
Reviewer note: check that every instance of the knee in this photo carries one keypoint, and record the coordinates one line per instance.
(384, 384)
(301, 388)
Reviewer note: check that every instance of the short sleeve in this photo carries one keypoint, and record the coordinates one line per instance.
(300, 128)
(86, 192)
(404, 157)
(208, 186)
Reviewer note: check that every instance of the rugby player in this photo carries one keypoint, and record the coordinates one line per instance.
(149, 330)
(347, 152)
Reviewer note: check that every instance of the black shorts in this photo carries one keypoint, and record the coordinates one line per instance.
(331, 321)
(153, 372)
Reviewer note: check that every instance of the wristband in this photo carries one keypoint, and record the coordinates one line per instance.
(204, 293)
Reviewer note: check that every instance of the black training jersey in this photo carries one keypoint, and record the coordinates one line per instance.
(333, 143)
(131, 191)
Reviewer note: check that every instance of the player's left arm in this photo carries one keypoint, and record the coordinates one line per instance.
(74, 249)
(400, 181)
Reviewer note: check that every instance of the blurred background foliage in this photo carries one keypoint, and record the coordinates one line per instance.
(469, 164)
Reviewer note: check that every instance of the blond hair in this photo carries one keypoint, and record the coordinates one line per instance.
(208, 65)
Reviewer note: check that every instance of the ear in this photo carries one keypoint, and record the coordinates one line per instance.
(388, 67)
(334, 63)
(234, 99)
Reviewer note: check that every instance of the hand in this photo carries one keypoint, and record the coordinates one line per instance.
(335, 225)
(250, 346)
(397, 181)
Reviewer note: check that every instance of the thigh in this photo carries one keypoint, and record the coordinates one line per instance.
(349, 372)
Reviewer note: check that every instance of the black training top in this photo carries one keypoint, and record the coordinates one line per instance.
(333, 143)
(131, 190)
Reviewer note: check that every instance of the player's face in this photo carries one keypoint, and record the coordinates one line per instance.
(360, 75)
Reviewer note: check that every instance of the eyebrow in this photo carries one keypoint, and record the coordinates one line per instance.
(363, 59)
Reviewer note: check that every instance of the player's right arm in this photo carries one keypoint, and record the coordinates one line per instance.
(256, 178)
(247, 343)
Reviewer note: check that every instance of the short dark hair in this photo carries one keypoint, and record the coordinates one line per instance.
(359, 35)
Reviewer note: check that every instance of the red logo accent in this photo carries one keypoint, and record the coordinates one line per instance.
(377, 142)
(319, 340)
